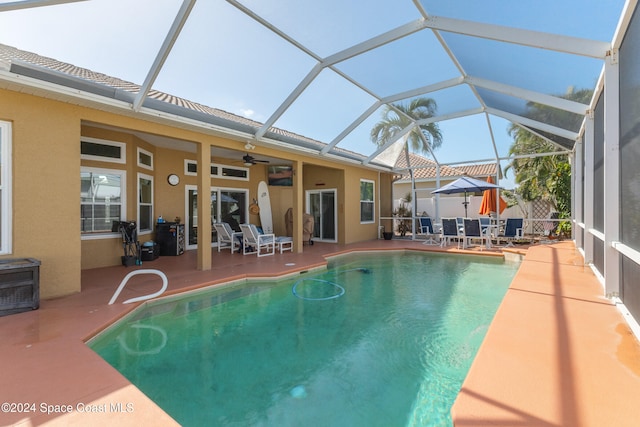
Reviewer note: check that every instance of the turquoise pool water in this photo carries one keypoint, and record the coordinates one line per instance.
(392, 350)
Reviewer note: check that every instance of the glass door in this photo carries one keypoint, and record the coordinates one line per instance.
(191, 216)
(321, 204)
(231, 207)
(227, 205)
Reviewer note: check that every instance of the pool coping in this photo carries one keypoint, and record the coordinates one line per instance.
(52, 364)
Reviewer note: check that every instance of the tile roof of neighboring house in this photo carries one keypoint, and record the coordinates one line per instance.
(479, 170)
(11, 54)
(428, 171)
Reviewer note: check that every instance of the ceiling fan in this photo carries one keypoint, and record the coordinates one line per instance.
(249, 160)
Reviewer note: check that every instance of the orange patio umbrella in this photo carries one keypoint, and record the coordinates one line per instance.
(488, 204)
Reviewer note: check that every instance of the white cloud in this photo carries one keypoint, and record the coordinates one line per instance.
(247, 113)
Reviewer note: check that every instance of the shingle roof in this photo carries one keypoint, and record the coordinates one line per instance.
(427, 169)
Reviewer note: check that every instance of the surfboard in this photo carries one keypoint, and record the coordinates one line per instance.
(264, 203)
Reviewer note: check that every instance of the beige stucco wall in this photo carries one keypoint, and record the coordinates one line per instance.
(318, 177)
(169, 201)
(281, 200)
(386, 200)
(107, 251)
(46, 188)
(347, 181)
(354, 230)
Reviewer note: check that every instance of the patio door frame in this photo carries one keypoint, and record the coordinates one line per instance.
(318, 226)
(187, 219)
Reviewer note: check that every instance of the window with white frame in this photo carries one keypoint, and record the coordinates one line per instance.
(231, 172)
(145, 203)
(366, 201)
(5, 188)
(218, 171)
(103, 150)
(145, 159)
(102, 199)
(190, 167)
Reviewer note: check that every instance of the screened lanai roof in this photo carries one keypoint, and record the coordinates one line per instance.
(297, 72)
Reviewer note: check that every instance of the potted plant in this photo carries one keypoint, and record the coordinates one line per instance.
(564, 230)
(404, 215)
(387, 235)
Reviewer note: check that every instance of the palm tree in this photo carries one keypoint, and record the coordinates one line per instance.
(536, 176)
(398, 117)
(546, 177)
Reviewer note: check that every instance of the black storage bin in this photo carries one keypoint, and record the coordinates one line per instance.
(149, 252)
(19, 285)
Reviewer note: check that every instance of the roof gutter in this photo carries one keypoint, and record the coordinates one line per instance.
(46, 82)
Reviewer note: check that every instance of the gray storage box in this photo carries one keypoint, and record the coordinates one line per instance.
(19, 285)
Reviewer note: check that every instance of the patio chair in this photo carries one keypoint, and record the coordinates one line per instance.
(227, 238)
(256, 243)
(485, 223)
(512, 231)
(472, 231)
(426, 228)
(449, 231)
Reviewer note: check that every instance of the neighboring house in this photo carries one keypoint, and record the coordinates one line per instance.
(426, 175)
(77, 157)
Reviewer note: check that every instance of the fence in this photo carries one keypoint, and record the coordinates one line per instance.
(537, 215)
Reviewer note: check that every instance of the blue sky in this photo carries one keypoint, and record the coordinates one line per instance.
(226, 60)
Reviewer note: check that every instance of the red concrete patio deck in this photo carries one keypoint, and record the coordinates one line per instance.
(557, 353)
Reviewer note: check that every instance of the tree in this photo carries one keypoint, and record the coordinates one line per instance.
(547, 177)
(393, 122)
(537, 177)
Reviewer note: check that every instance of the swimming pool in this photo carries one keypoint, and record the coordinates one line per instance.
(391, 350)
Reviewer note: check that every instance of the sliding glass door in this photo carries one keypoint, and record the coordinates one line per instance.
(226, 205)
(322, 205)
